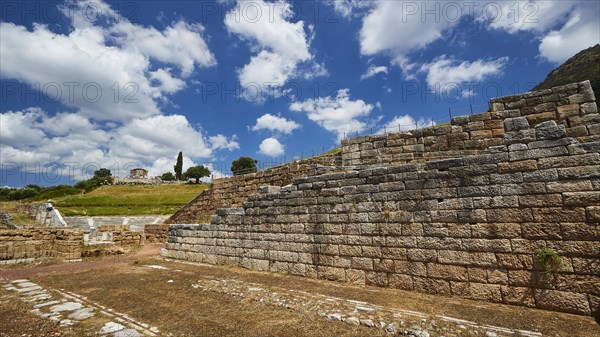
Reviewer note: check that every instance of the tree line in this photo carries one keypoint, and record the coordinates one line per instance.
(103, 176)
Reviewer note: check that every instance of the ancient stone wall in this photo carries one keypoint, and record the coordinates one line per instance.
(156, 233)
(233, 191)
(36, 243)
(474, 226)
(121, 235)
(571, 105)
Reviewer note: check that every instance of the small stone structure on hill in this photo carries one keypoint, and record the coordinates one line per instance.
(138, 173)
(502, 206)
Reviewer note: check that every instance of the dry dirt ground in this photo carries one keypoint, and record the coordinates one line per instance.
(200, 300)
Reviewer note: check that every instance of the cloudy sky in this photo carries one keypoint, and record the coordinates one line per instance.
(88, 84)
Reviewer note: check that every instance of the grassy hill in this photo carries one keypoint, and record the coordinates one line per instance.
(129, 200)
(583, 66)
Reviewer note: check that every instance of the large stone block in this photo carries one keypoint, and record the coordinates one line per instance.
(516, 124)
(562, 301)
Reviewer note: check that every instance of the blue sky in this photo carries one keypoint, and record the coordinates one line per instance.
(122, 84)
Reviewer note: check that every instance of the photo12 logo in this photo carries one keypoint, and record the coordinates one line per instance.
(68, 92)
(524, 12)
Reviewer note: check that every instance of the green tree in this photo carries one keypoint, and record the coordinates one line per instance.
(103, 173)
(243, 165)
(178, 168)
(197, 172)
(167, 176)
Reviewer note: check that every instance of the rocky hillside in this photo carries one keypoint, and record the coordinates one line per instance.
(583, 66)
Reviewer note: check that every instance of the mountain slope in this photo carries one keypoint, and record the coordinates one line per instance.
(585, 65)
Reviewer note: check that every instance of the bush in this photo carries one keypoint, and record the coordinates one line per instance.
(549, 260)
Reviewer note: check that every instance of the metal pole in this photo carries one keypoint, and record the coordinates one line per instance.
(450, 113)
(471, 106)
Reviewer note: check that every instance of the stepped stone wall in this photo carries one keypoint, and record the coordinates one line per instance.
(36, 243)
(572, 105)
(470, 226)
(233, 191)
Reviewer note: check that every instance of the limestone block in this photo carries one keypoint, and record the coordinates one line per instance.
(477, 291)
(562, 301)
(518, 296)
(516, 124)
(521, 136)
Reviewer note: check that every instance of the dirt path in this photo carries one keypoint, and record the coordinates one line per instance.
(26, 271)
(185, 299)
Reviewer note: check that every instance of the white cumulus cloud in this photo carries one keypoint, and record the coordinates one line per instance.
(271, 147)
(374, 70)
(444, 72)
(222, 142)
(103, 67)
(275, 124)
(339, 114)
(282, 47)
(405, 123)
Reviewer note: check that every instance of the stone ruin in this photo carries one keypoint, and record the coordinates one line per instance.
(138, 173)
(502, 206)
(6, 221)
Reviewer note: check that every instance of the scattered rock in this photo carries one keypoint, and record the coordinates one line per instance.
(392, 328)
(367, 322)
(352, 321)
(335, 317)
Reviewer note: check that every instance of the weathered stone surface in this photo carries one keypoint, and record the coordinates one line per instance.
(516, 124)
(562, 301)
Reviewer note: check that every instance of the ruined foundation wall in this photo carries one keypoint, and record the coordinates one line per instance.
(470, 226)
(122, 235)
(571, 105)
(156, 233)
(233, 191)
(36, 243)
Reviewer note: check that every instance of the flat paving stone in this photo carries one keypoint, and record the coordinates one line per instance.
(67, 306)
(45, 304)
(20, 281)
(128, 333)
(27, 284)
(81, 314)
(29, 289)
(111, 327)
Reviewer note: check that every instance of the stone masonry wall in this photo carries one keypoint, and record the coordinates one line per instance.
(571, 105)
(156, 233)
(122, 235)
(233, 191)
(35, 243)
(469, 226)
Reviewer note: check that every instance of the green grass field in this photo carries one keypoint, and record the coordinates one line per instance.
(129, 200)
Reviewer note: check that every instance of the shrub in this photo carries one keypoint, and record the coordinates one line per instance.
(549, 260)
